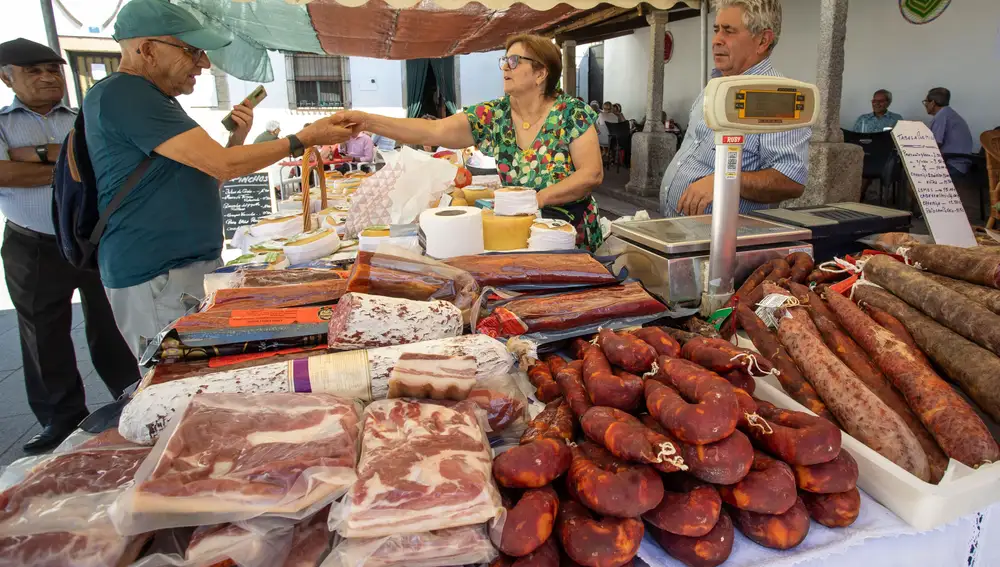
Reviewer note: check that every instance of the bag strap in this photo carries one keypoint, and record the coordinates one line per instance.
(116, 201)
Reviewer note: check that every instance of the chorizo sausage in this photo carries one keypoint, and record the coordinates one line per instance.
(626, 351)
(689, 508)
(794, 437)
(608, 542)
(625, 437)
(540, 376)
(578, 347)
(954, 424)
(769, 488)
(660, 340)
(722, 462)
(721, 356)
(777, 531)
(710, 550)
(611, 487)
(553, 422)
(570, 380)
(820, 276)
(547, 555)
(692, 403)
(529, 523)
(532, 465)
(741, 379)
(555, 362)
(838, 475)
(835, 510)
(896, 327)
(607, 389)
(787, 373)
(802, 264)
(862, 414)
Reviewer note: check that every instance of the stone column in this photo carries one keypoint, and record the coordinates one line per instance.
(834, 167)
(653, 148)
(569, 67)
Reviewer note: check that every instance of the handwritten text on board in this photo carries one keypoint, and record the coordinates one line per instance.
(244, 200)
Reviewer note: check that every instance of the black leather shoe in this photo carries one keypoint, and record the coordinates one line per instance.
(51, 436)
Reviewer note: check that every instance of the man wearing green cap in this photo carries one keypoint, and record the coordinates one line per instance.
(167, 233)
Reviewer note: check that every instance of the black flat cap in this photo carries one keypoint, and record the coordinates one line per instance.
(24, 52)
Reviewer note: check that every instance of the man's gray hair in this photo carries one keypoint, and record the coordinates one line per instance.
(939, 96)
(758, 16)
(7, 71)
(888, 95)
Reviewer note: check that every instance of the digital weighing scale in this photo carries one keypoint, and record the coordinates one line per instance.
(697, 259)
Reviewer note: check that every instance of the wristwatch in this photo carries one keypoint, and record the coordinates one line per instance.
(43, 153)
(295, 147)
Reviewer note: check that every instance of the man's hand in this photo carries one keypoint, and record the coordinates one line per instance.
(324, 132)
(697, 197)
(243, 117)
(28, 154)
(356, 120)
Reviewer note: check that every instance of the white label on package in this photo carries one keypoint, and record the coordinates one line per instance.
(767, 307)
(343, 373)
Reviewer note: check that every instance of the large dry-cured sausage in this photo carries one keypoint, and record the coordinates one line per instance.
(694, 404)
(794, 437)
(722, 462)
(971, 265)
(834, 510)
(625, 437)
(861, 413)
(605, 388)
(777, 531)
(896, 327)
(838, 475)
(554, 422)
(688, 508)
(608, 542)
(986, 296)
(540, 376)
(954, 424)
(802, 265)
(710, 550)
(769, 487)
(532, 465)
(570, 379)
(612, 487)
(626, 351)
(660, 340)
(787, 373)
(530, 522)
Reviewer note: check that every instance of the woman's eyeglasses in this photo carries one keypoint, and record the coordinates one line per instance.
(512, 61)
(193, 52)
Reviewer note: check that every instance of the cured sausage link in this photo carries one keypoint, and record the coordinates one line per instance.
(961, 433)
(896, 327)
(693, 404)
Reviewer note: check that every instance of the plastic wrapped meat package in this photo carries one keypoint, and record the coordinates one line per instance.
(396, 272)
(366, 321)
(466, 545)
(99, 547)
(535, 270)
(233, 457)
(323, 292)
(423, 467)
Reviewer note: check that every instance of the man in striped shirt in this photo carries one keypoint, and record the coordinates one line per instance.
(775, 165)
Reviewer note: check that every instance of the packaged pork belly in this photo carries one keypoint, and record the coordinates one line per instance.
(466, 545)
(363, 374)
(424, 467)
(100, 546)
(234, 457)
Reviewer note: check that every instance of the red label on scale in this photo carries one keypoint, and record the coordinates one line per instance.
(732, 139)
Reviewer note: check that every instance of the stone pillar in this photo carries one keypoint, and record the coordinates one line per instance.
(569, 67)
(834, 167)
(653, 148)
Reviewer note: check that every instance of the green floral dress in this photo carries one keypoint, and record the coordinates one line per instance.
(546, 162)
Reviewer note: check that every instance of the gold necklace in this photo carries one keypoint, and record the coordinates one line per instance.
(525, 124)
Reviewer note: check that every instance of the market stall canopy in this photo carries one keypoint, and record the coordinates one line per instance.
(391, 29)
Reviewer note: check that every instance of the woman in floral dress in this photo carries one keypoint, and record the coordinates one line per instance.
(541, 138)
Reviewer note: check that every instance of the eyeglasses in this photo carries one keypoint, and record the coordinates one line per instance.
(512, 61)
(193, 52)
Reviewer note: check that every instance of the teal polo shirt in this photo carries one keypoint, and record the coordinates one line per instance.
(173, 216)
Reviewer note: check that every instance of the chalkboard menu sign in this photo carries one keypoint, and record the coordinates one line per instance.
(244, 200)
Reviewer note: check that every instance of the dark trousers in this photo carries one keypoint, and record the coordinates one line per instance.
(41, 285)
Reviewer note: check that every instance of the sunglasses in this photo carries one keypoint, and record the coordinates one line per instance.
(193, 52)
(512, 61)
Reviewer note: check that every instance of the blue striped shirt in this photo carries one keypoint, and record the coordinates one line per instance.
(786, 152)
(31, 207)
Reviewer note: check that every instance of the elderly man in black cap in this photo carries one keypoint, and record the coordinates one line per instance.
(40, 282)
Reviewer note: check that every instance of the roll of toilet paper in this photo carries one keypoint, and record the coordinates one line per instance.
(452, 231)
(552, 234)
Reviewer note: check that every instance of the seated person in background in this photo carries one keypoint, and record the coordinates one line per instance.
(271, 132)
(596, 106)
(879, 119)
(617, 109)
(950, 130)
(607, 116)
(360, 148)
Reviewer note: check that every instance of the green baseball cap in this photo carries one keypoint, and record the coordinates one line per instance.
(149, 18)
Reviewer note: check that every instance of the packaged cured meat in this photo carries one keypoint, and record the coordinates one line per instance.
(504, 404)
(233, 457)
(69, 491)
(365, 321)
(363, 374)
(466, 545)
(239, 276)
(396, 272)
(220, 327)
(244, 544)
(432, 376)
(97, 547)
(423, 467)
(580, 311)
(172, 351)
(535, 270)
(322, 292)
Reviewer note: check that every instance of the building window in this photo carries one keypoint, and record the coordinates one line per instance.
(318, 81)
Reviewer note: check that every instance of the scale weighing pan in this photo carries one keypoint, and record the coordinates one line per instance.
(686, 235)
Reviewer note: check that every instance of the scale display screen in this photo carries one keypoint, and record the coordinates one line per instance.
(769, 105)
